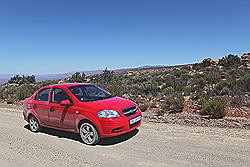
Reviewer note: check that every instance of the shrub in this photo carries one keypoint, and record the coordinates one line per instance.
(244, 83)
(168, 90)
(144, 107)
(116, 89)
(222, 87)
(15, 79)
(1, 92)
(197, 66)
(229, 60)
(10, 100)
(173, 103)
(107, 75)
(215, 108)
(239, 101)
(148, 88)
(24, 92)
(177, 103)
(163, 109)
(198, 81)
(212, 77)
(77, 77)
(22, 79)
(187, 90)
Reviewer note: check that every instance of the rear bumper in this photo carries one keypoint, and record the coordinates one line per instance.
(117, 126)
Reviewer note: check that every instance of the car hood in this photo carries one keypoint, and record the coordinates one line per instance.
(114, 103)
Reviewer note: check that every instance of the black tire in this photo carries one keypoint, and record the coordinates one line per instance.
(33, 124)
(88, 134)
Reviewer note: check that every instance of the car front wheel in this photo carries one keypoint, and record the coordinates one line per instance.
(33, 123)
(88, 134)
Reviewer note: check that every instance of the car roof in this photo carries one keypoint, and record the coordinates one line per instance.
(71, 84)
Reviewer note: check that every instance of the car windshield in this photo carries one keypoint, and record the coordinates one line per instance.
(85, 93)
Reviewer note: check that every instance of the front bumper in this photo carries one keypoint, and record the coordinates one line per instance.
(117, 126)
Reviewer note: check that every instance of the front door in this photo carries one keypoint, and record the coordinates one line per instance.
(61, 116)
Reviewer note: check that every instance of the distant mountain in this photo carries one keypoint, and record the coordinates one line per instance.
(64, 75)
(41, 77)
(5, 77)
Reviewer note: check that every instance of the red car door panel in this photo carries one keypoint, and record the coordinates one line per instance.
(42, 110)
(61, 116)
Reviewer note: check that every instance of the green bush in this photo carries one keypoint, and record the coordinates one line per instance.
(214, 108)
(197, 66)
(116, 89)
(1, 93)
(168, 90)
(173, 103)
(244, 83)
(22, 79)
(198, 81)
(240, 101)
(77, 77)
(10, 100)
(144, 107)
(229, 60)
(24, 92)
(212, 77)
(163, 109)
(220, 87)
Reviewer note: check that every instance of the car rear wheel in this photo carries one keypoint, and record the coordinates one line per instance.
(88, 134)
(33, 123)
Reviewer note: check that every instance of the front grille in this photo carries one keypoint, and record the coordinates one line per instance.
(129, 111)
(133, 125)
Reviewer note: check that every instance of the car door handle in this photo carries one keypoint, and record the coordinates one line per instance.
(52, 109)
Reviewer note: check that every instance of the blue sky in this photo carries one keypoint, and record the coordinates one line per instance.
(56, 36)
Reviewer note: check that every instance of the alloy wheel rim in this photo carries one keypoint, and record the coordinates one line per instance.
(33, 124)
(87, 133)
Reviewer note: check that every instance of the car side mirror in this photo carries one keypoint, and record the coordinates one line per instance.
(65, 103)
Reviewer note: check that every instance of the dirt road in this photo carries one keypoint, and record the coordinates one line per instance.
(152, 145)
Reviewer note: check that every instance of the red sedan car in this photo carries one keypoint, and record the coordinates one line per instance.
(81, 108)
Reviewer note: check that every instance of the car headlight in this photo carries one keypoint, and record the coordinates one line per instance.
(108, 114)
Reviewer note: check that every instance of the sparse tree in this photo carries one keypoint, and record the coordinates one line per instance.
(230, 60)
(77, 77)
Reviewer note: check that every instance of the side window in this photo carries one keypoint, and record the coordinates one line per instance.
(58, 95)
(43, 95)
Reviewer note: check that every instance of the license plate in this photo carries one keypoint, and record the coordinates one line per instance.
(134, 120)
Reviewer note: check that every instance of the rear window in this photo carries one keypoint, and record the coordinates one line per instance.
(43, 95)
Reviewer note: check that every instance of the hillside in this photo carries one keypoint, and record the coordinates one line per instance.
(43, 77)
(217, 90)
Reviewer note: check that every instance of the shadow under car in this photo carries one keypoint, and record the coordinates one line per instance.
(74, 136)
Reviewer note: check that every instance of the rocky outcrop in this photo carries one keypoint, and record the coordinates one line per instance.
(245, 58)
(209, 62)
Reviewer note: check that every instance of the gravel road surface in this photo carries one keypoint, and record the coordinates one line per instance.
(154, 144)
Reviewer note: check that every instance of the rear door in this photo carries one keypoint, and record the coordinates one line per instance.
(61, 116)
(40, 105)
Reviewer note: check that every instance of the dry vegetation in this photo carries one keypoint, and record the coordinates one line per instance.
(212, 89)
